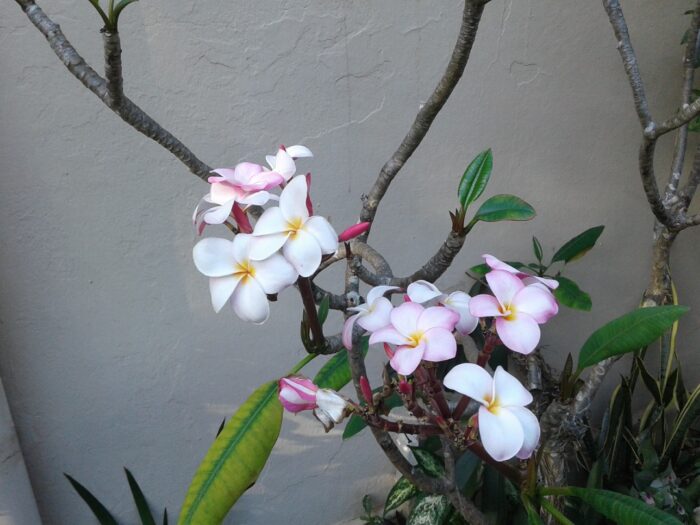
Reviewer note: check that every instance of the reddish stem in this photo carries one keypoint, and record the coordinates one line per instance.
(489, 345)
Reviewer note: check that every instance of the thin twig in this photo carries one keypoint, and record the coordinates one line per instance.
(127, 110)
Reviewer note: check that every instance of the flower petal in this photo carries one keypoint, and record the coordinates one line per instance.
(497, 264)
(214, 257)
(504, 285)
(549, 283)
(303, 251)
(405, 318)
(227, 174)
(221, 289)
(347, 331)
(241, 246)
(501, 433)
(459, 302)
(537, 302)
(509, 392)
(422, 291)
(379, 291)
(284, 164)
(250, 302)
(245, 172)
(331, 404)
(531, 431)
(221, 192)
(471, 380)
(271, 221)
(378, 316)
(218, 214)
(256, 198)
(324, 233)
(293, 200)
(387, 335)
(274, 274)
(264, 246)
(298, 151)
(484, 306)
(520, 334)
(440, 344)
(406, 359)
(438, 316)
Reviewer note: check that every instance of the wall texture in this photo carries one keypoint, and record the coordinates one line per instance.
(109, 350)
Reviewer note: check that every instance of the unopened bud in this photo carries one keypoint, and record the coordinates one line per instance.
(405, 388)
(242, 220)
(366, 390)
(309, 204)
(354, 231)
(388, 350)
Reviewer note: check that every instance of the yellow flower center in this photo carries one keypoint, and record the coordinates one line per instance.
(508, 312)
(244, 270)
(294, 225)
(414, 338)
(492, 404)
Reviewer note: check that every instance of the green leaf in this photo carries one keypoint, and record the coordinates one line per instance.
(651, 383)
(504, 208)
(569, 294)
(533, 517)
(578, 246)
(235, 459)
(335, 374)
(627, 333)
(537, 248)
(139, 500)
(165, 516)
(465, 467)
(431, 510)
(619, 508)
(429, 462)
(402, 491)
(97, 508)
(690, 412)
(354, 426)
(323, 309)
(475, 178)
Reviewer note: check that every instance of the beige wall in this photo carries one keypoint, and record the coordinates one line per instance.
(109, 350)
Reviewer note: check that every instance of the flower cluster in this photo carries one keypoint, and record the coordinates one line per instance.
(286, 242)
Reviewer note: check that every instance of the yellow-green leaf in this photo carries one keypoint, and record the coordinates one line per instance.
(235, 459)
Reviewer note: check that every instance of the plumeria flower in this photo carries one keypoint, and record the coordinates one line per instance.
(506, 428)
(234, 275)
(246, 184)
(423, 291)
(283, 162)
(372, 315)
(303, 239)
(496, 264)
(297, 393)
(518, 309)
(420, 333)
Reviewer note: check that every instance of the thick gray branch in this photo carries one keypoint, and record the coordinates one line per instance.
(127, 110)
(427, 113)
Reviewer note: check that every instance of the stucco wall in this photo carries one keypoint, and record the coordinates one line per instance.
(109, 350)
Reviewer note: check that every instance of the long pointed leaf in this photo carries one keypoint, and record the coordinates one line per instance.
(504, 208)
(475, 178)
(402, 491)
(690, 412)
(97, 508)
(139, 500)
(627, 333)
(578, 246)
(235, 459)
(335, 374)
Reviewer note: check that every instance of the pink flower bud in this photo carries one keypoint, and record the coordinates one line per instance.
(309, 204)
(405, 388)
(297, 393)
(366, 390)
(241, 218)
(388, 350)
(354, 231)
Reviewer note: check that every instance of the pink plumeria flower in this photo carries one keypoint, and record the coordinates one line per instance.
(506, 427)
(423, 292)
(245, 184)
(518, 309)
(420, 333)
(297, 393)
(284, 161)
(372, 315)
(234, 275)
(496, 264)
(303, 239)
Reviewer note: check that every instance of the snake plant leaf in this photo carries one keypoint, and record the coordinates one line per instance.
(139, 500)
(578, 246)
(335, 374)
(402, 491)
(504, 208)
(621, 509)
(689, 414)
(98, 509)
(475, 178)
(627, 333)
(235, 459)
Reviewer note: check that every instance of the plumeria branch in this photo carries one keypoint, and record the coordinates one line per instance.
(109, 91)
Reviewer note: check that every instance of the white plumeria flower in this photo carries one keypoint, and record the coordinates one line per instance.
(424, 291)
(283, 162)
(506, 427)
(303, 239)
(234, 275)
(374, 314)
